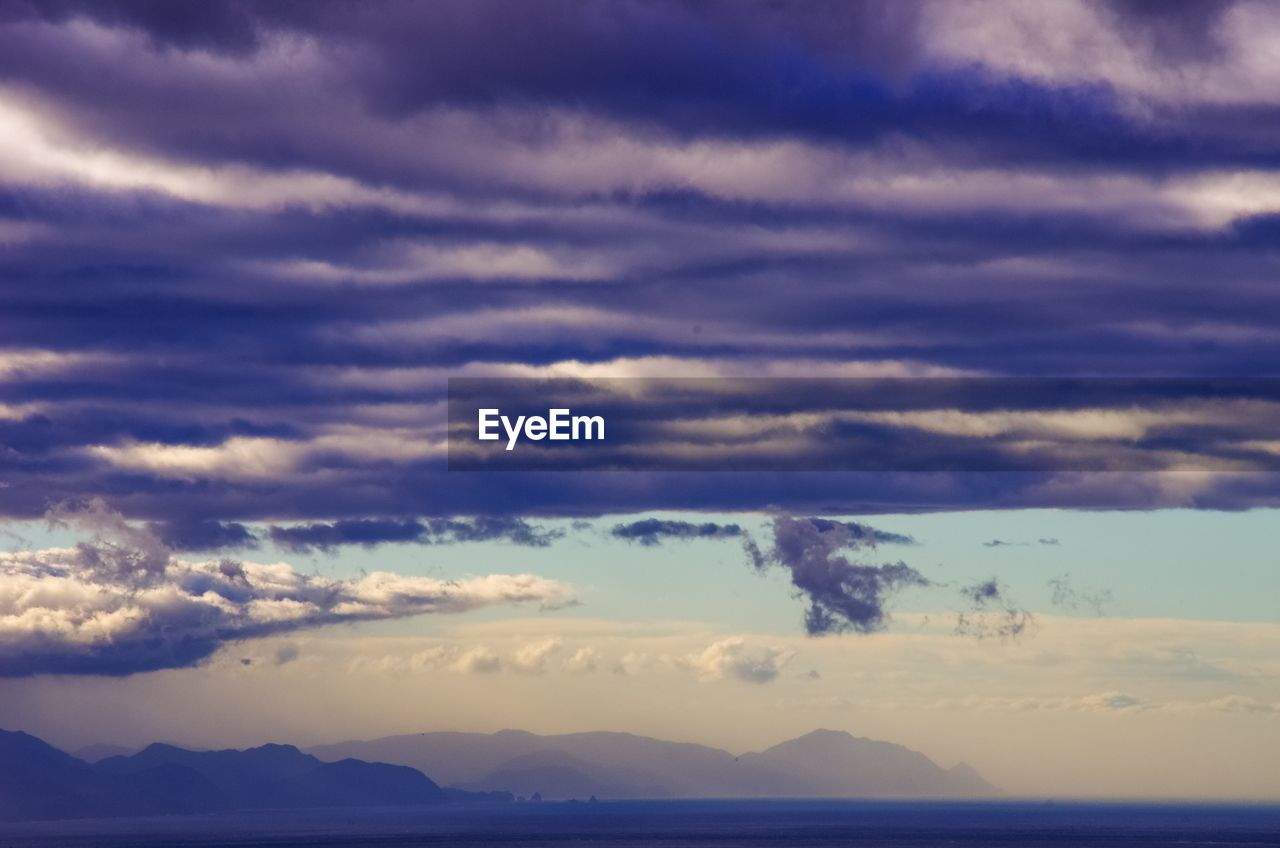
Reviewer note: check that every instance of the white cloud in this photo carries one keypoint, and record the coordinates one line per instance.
(121, 604)
(734, 658)
(478, 660)
(632, 662)
(1243, 704)
(582, 661)
(533, 657)
(1074, 43)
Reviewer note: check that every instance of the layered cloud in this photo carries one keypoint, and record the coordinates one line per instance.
(244, 246)
(1171, 666)
(371, 532)
(652, 531)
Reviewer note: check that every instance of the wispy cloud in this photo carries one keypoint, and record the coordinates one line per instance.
(842, 594)
(652, 531)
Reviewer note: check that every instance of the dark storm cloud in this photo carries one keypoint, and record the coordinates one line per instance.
(861, 533)
(687, 63)
(489, 528)
(242, 245)
(854, 71)
(370, 532)
(842, 594)
(1178, 30)
(652, 531)
(203, 535)
(224, 26)
(326, 537)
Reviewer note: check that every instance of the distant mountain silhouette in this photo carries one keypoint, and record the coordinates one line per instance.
(94, 753)
(281, 776)
(822, 764)
(831, 763)
(38, 781)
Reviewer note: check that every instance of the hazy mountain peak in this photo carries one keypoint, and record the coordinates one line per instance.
(14, 744)
(159, 748)
(825, 735)
(823, 763)
(967, 771)
(274, 748)
(101, 751)
(511, 733)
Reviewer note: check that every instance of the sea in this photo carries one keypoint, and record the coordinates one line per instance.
(676, 824)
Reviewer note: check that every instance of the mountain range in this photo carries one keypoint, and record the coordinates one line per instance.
(821, 764)
(38, 781)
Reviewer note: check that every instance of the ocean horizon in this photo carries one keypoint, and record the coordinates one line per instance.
(677, 823)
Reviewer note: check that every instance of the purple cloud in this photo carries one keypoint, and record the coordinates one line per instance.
(245, 244)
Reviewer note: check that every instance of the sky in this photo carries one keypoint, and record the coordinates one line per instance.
(244, 247)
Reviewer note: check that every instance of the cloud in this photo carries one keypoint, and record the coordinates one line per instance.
(517, 531)
(527, 658)
(1003, 543)
(583, 661)
(1112, 702)
(364, 532)
(651, 531)
(631, 663)
(1190, 33)
(983, 593)
(115, 550)
(733, 658)
(642, 56)
(533, 657)
(255, 241)
(861, 533)
(1243, 704)
(1067, 595)
(479, 660)
(842, 594)
(438, 531)
(203, 535)
(1103, 703)
(121, 604)
(991, 613)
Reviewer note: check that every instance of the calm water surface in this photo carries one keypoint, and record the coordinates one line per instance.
(674, 824)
